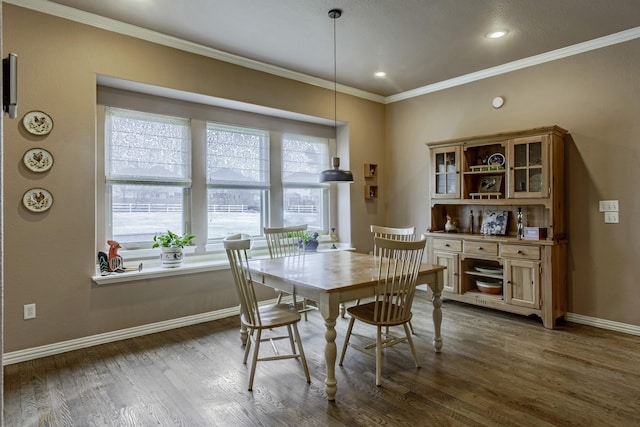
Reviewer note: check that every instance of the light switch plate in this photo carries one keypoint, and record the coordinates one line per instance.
(609, 206)
(611, 218)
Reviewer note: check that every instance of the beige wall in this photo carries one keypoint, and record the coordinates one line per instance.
(596, 96)
(50, 256)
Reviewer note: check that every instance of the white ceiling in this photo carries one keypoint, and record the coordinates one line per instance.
(417, 43)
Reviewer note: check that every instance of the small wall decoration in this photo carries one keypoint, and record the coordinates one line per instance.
(37, 200)
(38, 160)
(37, 122)
(490, 184)
(494, 222)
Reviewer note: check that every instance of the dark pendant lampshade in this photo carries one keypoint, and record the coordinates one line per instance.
(336, 174)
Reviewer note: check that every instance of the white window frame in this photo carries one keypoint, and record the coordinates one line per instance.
(183, 181)
(260, 184)
(306, 183)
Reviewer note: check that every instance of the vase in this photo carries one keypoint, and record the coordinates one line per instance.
(311, 246)
(171, 257)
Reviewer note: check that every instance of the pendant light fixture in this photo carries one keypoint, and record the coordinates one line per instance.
(336, 174)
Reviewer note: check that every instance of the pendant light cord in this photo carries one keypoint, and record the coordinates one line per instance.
(335, 14)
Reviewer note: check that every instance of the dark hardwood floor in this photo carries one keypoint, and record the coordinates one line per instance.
(495, 369)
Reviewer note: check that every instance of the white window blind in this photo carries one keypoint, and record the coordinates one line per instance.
(237, 156)
(144, 147)
(303, 158)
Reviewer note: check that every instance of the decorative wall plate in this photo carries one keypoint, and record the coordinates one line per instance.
(496, 159)
(37, 122)
(38, 160)
(37, 200)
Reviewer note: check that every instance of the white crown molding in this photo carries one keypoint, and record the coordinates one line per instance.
(108, 24)
(553, 55)
(76, 15)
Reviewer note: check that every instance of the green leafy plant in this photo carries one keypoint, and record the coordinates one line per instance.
(172, 240)
(308, 236)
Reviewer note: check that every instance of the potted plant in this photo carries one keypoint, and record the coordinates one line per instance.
(309, 241)
(171, 245)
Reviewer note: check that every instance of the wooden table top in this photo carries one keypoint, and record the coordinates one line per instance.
(327, 271)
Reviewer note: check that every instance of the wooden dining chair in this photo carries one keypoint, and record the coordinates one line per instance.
(285, 242)
(258, 318)
(398, 263)
(404, 234)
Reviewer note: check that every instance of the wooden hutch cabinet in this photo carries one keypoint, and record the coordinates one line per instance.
(479, 186)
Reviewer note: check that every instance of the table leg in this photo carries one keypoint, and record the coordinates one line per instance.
(330, 350)
(437, 320)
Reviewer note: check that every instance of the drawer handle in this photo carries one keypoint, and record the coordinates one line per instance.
(520, 252)
(480, 248)
(446, 245)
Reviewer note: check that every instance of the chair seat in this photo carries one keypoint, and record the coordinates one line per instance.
(366, 313)
(275, 315)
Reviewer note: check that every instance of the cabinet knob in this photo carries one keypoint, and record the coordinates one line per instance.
(520, 252)
(446, 245)
(480, 248)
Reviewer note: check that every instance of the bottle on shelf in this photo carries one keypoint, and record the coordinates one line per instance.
(519, 225)
(471, 222)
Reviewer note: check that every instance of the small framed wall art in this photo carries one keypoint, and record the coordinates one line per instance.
(38, 160)
(37, 200)
(37, 122)
(490, 184)
(494, 222)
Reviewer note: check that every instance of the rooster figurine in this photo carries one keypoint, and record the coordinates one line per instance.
(115, 261)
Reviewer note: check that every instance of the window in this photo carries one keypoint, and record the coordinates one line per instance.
(206, 170)
(305, 201)
(148, 174)
(237, 180)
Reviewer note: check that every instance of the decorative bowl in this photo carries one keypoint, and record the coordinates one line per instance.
(489, 286)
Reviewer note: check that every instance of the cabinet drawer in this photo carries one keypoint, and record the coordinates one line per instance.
(447, 245)
(481, 248)
(520, 251)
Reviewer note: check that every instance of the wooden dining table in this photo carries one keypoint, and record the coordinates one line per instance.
(335, 277)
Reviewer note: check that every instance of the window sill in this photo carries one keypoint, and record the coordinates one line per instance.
(191, 265)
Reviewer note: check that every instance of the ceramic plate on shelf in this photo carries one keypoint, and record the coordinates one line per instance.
(38, 160)
(496, 159)
(489, 270)
(37, 122)
(489, 283)
(37, 200)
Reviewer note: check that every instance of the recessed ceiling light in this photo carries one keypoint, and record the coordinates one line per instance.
(497, 34)
(380, 74)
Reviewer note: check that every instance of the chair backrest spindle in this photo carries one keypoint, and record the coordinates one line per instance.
(284, 241)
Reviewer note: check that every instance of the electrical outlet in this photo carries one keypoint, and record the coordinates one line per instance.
(609, 206)
(611, 218)
(29, 311)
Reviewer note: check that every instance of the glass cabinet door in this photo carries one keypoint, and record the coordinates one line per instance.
(528, 160)
(446, 176)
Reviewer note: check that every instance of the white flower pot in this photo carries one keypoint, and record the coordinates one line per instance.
(171, 257)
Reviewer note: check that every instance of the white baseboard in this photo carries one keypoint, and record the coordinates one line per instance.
(602, 323)
(76, 344)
